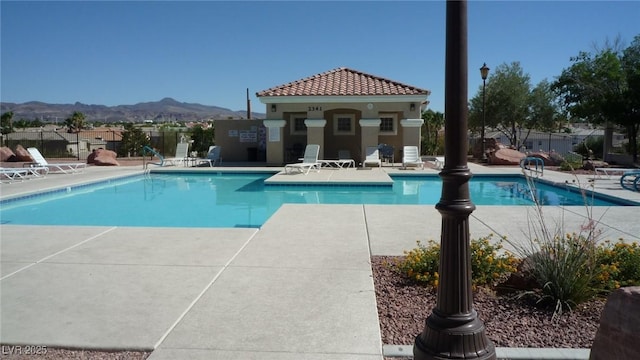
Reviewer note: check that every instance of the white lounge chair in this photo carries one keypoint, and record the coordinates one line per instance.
(372, 157)
(13, 174)
(411, 157)
(66, 168)
(606, 173)
(309, 161)
(214, 155)
(436, 161)
(344, 160)
(181, 157)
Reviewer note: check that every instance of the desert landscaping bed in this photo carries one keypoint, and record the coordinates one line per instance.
(403, 307)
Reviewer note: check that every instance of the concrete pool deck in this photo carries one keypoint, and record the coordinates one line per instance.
(299, 287)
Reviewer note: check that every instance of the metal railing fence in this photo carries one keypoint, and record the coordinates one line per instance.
(55, 144)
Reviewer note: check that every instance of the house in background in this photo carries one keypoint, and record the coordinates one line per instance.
(341, 109)
(560, 142)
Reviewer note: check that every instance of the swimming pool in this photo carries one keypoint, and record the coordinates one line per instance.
(243, 200)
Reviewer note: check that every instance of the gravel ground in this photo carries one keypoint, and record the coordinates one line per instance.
(13, 353)
(403, 308)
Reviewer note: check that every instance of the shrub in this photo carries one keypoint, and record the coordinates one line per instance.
(564, 264)
(421, 263)
(619, 265)
(570, 166)
(595, 144)
(566, 267)
(489, 263)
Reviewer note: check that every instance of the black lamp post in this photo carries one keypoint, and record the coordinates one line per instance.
(484, 72)
(453, 330)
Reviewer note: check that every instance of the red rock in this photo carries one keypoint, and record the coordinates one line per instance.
(7, 155)
(545, 157)
(102, 157)
(22, 154)
(506, 157)
(618, 335)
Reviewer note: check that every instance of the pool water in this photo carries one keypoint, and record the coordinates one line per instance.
(243, 200)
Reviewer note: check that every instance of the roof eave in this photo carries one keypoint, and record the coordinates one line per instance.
(341, 99)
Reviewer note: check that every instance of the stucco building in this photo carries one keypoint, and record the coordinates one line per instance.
(341, 109)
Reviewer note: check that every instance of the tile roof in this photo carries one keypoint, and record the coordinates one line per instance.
(343, 82)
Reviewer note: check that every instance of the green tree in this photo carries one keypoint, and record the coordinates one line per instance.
(631, 67)
(75, 122)
(21, 124)
(603, 87)
(133, 139)
(433, 123)
(7, 122)
(507, 103)
(543, 111)
(202, 139)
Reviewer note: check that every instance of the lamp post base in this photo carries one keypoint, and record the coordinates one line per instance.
(453, 338)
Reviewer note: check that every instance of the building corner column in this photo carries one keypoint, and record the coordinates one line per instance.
(275, 145)
(370, 129)
(315, 133)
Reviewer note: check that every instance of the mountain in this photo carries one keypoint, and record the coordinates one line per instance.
(165, 110)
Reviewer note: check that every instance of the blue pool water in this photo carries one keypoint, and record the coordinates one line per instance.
(243, 200)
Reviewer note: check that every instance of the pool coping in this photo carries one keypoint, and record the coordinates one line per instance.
(276, 180)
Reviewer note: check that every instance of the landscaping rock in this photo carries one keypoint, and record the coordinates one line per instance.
(102, 157)
(7, 155)
(506, 157)
(22, 154)
(618, 335)
(593, 164)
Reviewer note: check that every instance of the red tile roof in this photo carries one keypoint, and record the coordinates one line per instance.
(343, 82)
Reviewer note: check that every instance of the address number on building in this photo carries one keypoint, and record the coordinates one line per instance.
(315, 108)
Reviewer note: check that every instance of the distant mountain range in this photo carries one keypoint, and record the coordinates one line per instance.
(165, 110)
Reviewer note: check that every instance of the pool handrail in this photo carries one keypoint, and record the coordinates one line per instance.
(146, 149)
(526, 162)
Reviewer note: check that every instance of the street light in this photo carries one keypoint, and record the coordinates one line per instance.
(453, 330)
(484, 72)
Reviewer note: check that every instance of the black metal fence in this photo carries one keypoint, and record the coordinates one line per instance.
(55, 144)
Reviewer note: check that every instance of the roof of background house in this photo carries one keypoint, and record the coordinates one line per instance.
(107, 135)
(343, 82)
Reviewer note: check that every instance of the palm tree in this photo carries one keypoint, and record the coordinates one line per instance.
(75, 122)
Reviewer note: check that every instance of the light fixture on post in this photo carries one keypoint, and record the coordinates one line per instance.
(273, 107)
(484, 72)
(412, 107)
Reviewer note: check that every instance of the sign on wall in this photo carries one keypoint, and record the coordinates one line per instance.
(233, 133)
(274, 134)
(248, 136)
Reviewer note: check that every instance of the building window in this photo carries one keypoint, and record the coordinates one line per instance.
(388, 124)
(344, 124)
(298, 126)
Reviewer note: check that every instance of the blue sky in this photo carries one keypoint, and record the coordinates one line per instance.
(210, 52)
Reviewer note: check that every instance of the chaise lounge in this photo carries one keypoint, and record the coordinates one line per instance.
(67, 168)
(372, 157)
(411, 157)
(309, 161)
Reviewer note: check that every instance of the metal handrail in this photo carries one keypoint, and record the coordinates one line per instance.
(526, 162)
(146, 149)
